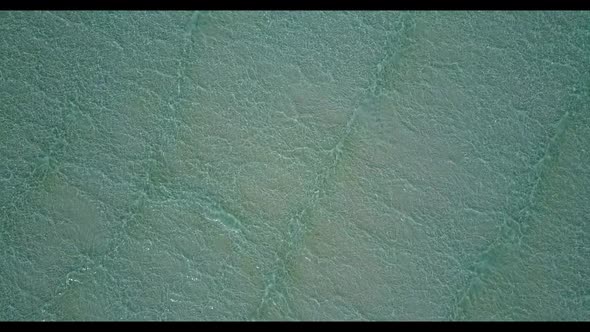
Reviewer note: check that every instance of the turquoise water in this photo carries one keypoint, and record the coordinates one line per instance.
(294, 166)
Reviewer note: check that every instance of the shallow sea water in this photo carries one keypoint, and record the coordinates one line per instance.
(294, 165)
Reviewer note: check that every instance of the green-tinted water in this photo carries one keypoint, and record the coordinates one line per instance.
(294, 166)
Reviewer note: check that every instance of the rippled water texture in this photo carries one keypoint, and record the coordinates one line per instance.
(294, 166)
